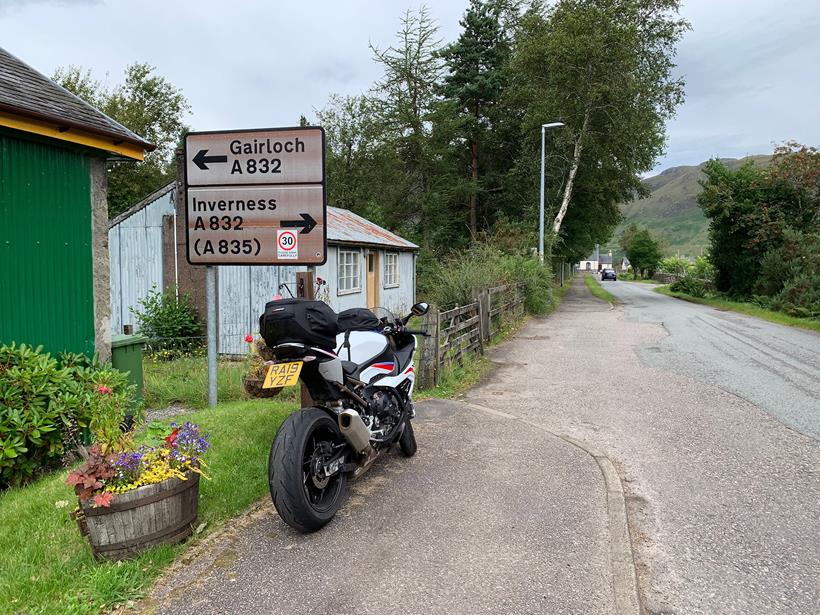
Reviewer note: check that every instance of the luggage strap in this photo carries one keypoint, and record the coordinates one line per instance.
(347, 344)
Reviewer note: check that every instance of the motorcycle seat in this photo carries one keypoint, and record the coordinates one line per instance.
(349, 367)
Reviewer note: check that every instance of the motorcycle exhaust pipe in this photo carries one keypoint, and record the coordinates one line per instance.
(354, 429)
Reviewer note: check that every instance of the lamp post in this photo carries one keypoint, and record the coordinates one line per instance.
(541, 209)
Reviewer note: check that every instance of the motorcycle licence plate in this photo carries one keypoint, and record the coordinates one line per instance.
(282, 375)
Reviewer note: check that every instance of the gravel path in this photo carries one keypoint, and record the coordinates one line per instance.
(712, 421)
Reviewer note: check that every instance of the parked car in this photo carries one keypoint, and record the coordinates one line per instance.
(608, 274)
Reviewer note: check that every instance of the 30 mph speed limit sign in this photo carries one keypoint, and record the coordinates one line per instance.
(256, 197)
(287, 243)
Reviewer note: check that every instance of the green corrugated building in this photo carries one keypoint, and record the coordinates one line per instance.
(53, 213)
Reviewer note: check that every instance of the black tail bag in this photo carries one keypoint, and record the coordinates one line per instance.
(299, 320)
(357, 319)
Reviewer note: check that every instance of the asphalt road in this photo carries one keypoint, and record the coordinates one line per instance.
(712, 421)
(776, 368)
(491, 516)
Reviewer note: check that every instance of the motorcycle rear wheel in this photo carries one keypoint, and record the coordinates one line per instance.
(306, 501)
(407, 440)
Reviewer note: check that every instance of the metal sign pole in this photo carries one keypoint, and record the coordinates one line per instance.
(210, 300)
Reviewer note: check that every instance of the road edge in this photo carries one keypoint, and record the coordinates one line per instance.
(621, 557)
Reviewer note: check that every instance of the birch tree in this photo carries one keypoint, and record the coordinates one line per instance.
(605, 69)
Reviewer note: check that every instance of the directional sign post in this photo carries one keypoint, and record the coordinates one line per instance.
(253, 197)
(243, 187)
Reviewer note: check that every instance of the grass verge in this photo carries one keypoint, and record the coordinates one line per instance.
(457, 379)
(749, 309)
(598, 291)
(184, 382)
(48, 567)
(558, 293)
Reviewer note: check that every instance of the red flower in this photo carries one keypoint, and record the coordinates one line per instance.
(171, 439)
(103, 499)
(319, 280)
(103, 390)
(249, 338)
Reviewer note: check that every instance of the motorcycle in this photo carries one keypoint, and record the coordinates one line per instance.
(358, 369)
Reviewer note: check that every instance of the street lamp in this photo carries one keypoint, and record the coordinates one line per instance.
(541, 209)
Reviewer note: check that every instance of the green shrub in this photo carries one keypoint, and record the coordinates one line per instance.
(675, 265)
(34, 402)
(789, 277)
(703, 269)
(45, 404)
(451, 281)
(800, 296)
(690, 285)
(100, 400)
(171, 324)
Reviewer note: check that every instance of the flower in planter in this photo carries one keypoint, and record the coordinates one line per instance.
(104, 475)
(170, 439)
(249, 338)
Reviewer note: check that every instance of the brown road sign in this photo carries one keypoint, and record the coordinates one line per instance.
(241, 224)
(256, 197)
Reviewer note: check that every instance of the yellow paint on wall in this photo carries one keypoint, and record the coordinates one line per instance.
(72, 135)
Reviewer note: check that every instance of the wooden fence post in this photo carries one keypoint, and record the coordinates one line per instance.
(428, 368)
(482, 297)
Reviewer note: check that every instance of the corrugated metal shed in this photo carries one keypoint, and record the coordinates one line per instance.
(46, 294)
(135, 253)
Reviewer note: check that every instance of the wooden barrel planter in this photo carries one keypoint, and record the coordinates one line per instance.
(253, 387)
(160, 514)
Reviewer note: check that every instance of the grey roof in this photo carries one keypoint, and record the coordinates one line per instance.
(343, 226)
(601, 258)
(24, 91)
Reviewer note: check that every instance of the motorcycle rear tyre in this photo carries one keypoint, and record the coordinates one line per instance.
(286, 479)
(407, 440)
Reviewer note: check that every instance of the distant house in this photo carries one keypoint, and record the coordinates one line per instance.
(625, 263)
(367, 266)
(53, 204)
(596, 261)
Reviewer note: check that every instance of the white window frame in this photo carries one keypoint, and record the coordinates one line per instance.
(387, 280)
(349, 261)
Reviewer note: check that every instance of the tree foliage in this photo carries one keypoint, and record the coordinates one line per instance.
(148, 105)
(764, 228)
(477, 75)
(445, 147)
(642, 250)
(605, 69)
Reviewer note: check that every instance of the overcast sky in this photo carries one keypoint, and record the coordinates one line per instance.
(752, 66)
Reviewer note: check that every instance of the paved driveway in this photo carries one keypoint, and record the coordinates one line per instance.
(490, 516)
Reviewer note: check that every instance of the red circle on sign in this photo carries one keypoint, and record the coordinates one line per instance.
(287, 241)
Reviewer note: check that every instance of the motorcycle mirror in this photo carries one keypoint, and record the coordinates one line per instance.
(420, 309)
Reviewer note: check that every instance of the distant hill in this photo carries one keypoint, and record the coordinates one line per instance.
(672, 211)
